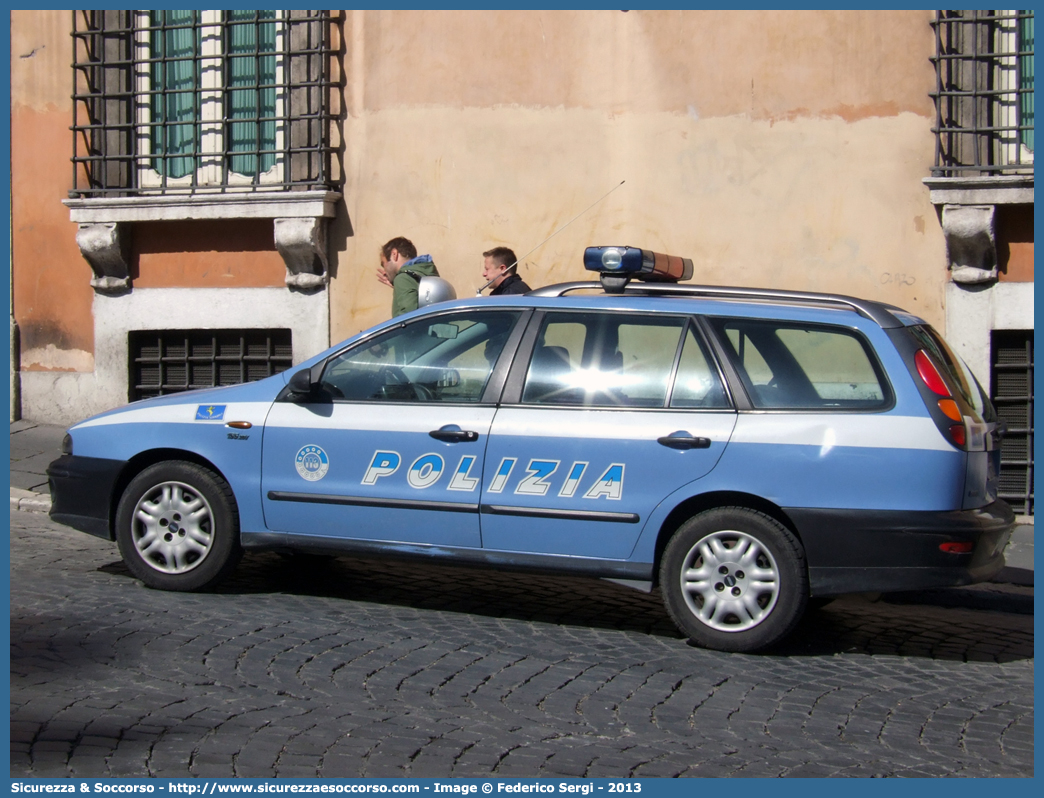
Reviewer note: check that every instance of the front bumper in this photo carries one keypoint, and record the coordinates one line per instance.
(82, 493)
(857, 551)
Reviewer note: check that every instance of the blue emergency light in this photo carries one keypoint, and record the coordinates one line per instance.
(617, 265)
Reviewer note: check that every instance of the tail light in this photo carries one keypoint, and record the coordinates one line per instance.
(950, 409)
(930, 374)
(957, 547)
(932, 377)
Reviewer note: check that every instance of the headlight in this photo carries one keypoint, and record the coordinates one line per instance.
(67, 444)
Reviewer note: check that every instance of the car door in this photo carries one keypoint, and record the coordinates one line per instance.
(389, 443)
(610, 413)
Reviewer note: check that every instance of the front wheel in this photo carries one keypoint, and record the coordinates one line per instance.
(734, 579)
(178, 527)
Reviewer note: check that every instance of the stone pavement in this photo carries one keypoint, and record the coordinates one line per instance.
(33, 446)
(338, 667)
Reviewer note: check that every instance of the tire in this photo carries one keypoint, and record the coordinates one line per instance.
(177, 527)
(748, 558)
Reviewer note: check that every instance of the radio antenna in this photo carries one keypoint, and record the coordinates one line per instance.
(559, 230)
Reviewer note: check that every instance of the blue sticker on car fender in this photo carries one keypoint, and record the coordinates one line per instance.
(210, 412)
(312, 463)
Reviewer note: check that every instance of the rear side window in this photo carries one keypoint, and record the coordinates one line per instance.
(603, 360)
(696, 383)
(787, 365)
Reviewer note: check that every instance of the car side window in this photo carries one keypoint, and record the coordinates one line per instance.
(603, 360)
(787, 365)
(697, 382)
(435, 359)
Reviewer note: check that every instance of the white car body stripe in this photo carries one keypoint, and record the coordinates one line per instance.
(617, 425)
(828, 430)
(380, 418)
(875, 431)
(254, 412)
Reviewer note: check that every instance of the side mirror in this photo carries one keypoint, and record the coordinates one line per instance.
(300, 384)
(449, 378)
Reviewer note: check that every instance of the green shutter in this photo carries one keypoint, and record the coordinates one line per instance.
(174, 50)
(251, 93)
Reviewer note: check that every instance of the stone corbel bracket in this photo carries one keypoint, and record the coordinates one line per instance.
(971, 246)
(302, 243)
(104, 248)
(300, 219)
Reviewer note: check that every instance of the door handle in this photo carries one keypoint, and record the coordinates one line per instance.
(683, 440)
(451, 433)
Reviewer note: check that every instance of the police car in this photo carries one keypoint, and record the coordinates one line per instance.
(746, 451)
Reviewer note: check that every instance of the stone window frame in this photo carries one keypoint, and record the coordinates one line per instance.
(106, 199)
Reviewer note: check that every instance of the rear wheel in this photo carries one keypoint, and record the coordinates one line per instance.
(734, 579)
(177, 527)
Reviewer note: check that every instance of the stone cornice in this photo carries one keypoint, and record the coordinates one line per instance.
(1000, 190)
(174, 207)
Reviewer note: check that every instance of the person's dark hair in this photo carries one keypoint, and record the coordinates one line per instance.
(502, 255)
(404, 245)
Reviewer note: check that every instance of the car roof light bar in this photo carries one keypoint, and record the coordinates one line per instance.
(616, 266)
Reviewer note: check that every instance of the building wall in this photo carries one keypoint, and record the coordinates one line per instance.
(973, 312)
(51, 281)
(781, 149)
(776, 149)
(1015, 243)
(74, 342)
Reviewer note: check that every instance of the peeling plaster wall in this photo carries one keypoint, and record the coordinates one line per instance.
(51, 358)
(64, 398)
(774, 148)
(777, 149)
(811, 204)
(972, 314)
(73, 354)
(51, 280)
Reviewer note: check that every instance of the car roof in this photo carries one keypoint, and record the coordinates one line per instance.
(691, 298)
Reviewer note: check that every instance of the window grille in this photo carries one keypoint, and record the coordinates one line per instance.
(984, 93)
(200, 101)
(1012, 394)
(168, 361)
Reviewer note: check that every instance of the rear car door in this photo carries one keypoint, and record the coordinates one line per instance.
(390, 444)
(604, 415)
(827, 429)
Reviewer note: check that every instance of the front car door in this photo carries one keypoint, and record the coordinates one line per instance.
(610, 413)
(390, 445)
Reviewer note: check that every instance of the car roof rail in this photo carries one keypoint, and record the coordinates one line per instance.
(875, 311)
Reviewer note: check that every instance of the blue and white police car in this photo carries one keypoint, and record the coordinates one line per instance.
(743, 450)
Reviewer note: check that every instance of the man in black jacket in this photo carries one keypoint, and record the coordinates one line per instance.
(499, 271)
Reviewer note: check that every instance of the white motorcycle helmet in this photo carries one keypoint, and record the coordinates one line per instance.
(434, 289)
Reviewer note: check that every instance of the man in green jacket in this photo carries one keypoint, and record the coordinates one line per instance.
(402, 269)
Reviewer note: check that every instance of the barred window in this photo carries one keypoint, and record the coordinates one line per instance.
(1012, 394)
(984, 93)
(170, 361)
(194, 101)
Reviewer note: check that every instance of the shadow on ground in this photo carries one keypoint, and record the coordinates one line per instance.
(980, 623)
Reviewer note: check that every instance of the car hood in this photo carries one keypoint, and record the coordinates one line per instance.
(264, 390)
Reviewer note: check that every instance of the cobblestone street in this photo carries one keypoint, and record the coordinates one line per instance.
(302, 667)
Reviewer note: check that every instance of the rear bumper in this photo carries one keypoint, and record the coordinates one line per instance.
(82, 492)
(856, 551)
